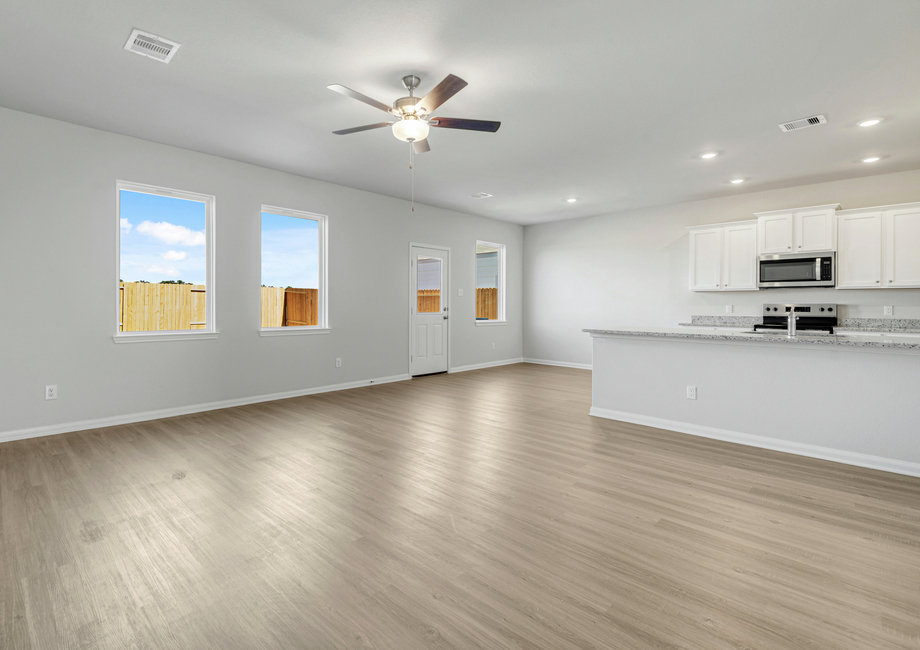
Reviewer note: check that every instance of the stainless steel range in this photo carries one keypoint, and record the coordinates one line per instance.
(801, 317)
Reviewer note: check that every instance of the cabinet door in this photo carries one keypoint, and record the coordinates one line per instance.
(859, 251)
(814, 231)
(774, 234)
(739, 258)
(706, 259)
(902, 247)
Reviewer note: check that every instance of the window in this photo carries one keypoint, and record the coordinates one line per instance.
(165, 264)
(490, 283)
(293, 272)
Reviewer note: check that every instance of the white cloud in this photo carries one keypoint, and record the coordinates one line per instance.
(172, 234)
(126, 226)
(174, 256)
(162, 270)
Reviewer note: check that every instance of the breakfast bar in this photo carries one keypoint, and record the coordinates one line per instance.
(768, 390)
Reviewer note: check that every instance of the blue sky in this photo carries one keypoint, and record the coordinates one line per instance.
(162, 238)
(290, 252)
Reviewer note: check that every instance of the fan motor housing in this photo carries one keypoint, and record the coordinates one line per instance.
(406, 105)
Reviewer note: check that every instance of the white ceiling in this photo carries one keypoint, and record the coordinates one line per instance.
(609, 102)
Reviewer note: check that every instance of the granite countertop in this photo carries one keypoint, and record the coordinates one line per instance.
(873, 340)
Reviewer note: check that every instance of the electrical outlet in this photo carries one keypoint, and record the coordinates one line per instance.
(493, 346)
(338, 362)
(691, 392)
(728, 309)
(50, 392)
(889, 310)
(460, 292)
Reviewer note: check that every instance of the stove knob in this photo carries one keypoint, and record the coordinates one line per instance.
(830, 309)
(822, 309)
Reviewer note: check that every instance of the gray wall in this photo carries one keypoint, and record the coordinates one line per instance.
(631, 268)
(57, 263)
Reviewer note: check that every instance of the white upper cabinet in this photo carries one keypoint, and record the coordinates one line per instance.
(739, 257)
(801, 230)
(859, 250)
(815, 229)
(706, 259)
(724, 258)
(879, 248)
(902, 246)
(775, 233)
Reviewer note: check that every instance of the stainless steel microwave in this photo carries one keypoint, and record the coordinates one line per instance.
(797, 270)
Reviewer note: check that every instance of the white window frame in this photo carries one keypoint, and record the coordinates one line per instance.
(322, 315)
(210, 331)
(501, 285)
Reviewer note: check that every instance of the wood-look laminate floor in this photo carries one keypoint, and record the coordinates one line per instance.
(484, 509)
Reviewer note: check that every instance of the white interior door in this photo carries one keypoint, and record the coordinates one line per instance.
(429, 320)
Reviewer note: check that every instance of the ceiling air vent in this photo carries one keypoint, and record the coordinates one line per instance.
(804, 123)
(480, 195)
(151, 46)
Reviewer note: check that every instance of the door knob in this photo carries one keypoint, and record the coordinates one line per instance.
(445, 318)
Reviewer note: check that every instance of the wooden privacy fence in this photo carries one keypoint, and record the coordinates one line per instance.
(487, 303)
(429, 301)
(289, 307)
(145, 307)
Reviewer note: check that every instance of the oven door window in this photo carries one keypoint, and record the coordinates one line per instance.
(802, 270)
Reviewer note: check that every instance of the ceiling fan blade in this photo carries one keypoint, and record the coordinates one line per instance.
(469, 125)
(449, 87)
(366, 127)
(421, 146)
(354, 94)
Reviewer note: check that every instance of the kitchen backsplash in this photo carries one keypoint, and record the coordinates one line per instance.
(880, 324)
(726, 321)
(866, 324)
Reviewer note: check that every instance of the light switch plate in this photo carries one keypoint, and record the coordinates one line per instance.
(459, 292)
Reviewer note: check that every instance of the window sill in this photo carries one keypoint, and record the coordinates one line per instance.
(149, 337)
(490, 323)
(293, 331)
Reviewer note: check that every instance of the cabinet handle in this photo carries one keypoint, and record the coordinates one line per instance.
(876, 282)
(788, 247)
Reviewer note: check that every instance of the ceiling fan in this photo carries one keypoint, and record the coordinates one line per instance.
(414, 114)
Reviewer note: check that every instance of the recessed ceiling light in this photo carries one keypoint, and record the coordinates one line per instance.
(480, 195)
(873, 159)
(711, 154)
(738, 180)
(571, 200)
(869, 123)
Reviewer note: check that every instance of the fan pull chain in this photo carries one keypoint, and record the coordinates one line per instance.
(412, 173)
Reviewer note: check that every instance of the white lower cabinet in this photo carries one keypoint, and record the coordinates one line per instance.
(879, 248)
(724, 257)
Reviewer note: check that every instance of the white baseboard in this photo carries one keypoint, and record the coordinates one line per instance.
(563, 364)
(490, 364)
(800, 449)
(53, 429)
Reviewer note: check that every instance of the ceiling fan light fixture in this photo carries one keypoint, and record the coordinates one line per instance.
(411, 129)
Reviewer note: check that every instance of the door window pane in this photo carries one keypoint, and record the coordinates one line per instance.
(429, 284)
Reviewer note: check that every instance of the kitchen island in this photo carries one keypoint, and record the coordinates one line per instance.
(853, 399)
